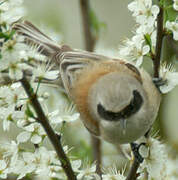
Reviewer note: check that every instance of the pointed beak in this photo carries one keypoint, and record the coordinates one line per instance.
(123, 123)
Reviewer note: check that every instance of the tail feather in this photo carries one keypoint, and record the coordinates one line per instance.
(44, 45)
(33, 36)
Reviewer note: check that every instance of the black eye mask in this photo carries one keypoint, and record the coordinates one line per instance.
(129, 110)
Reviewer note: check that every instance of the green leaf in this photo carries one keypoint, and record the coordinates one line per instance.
(38, 85)
(96, 24)
(148, 40)
(170, 14)
(7, 35)
(28, 112)
(3, 35)
(11, 34)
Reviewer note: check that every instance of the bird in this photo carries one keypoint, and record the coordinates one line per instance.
(117, 101)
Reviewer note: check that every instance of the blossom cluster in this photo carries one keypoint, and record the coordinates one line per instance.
(159, 161)
(143, 43)
(15, 108)
(145, 14)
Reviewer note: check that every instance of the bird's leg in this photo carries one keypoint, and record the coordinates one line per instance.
(159, 82)
(135, 149)
(132, 175)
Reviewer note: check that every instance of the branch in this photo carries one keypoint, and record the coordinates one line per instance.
(90, 42)
(42, 119)
(133, 170)
(89, 39)
(159, 40)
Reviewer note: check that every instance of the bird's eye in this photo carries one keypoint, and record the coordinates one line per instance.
(132, 108)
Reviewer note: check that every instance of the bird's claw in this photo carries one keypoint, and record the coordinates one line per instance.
(135, 149)
(159, 82)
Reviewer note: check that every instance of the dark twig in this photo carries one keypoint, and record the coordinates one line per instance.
(132, 175)
(133, 170)
(90, 41)
(159, 40)
(43, 120)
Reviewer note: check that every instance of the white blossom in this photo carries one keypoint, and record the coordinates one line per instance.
(113, 173)
(10, 95)
(9, 101)
(6, 96)
(67, 114)
(144, 29)
(10, 151)
(135, 49)
(168, 74)
(22, 168)
(44, 71)
(173, 26)
(144, 11)
(76, 164)
(5, 116)
(11, 58)
(155, 163)
(11, 11)
(87, 173)
(41, 163)
(48, 163)
(171, 168)
(34, 132)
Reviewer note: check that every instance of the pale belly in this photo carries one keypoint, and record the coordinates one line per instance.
(114, 133)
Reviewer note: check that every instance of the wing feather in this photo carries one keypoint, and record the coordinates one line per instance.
(33, 36)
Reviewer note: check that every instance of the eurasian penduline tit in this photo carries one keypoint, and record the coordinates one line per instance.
(116, 100)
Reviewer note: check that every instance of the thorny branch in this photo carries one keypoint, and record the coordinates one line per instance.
(90, 41)
(43, 120)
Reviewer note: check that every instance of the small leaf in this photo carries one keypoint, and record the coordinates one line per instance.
(96, 25)
(11, 34)
(7, 35)
(28, 112)
(170, 14)
(148, 40)
(23, 137)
